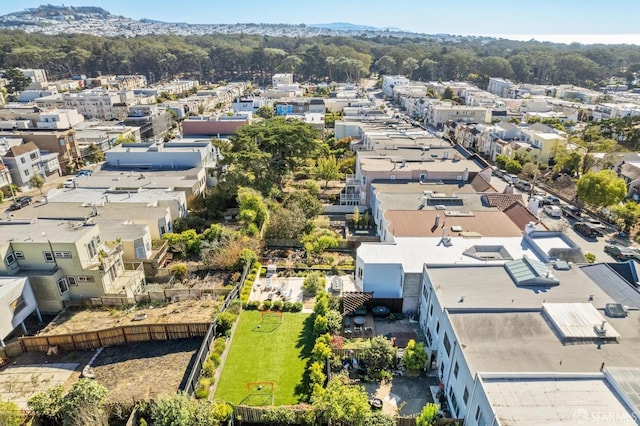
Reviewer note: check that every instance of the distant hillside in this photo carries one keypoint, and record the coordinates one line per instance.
(51, 11)
(345, 26)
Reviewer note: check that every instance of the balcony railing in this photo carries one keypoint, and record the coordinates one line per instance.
(351, 180)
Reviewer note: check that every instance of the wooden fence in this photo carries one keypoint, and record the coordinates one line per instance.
(253, 415)
(169, 295)
(113, 336)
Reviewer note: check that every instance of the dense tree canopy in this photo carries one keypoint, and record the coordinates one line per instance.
(216, 57)
(602, 189)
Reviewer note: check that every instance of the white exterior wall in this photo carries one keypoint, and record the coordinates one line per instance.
(385, 280)
(15, 287)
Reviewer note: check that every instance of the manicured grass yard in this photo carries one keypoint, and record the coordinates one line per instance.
(271, 352)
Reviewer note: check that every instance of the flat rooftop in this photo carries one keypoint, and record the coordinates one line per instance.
(41, 231)
(384, 164)
(100, 196)
(491, 287)
(80, 211)
(517, 342)
(423, 223)
(413, 253)
(559, 399)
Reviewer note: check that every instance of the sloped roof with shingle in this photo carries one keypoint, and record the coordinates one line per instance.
(502, 200)
(520, 214)
(630, 170)
(480, 184)
(16, 151)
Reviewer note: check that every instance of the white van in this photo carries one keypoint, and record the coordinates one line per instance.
(510, 178)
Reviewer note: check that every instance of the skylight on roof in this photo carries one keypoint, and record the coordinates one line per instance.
(527, 271)
(487, 252)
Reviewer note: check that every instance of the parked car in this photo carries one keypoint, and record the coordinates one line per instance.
(510, 178)
(587, 229)
(571, 211)
(20, 202)
(619, 253)
(69, 183)
(551, 199)
(523, 185)
(553, 211)
(84, 172)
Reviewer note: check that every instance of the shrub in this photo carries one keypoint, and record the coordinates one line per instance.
(251, 276)
(276, 305)
(10, 414)
(219, 345)
(252, 305)
(590, 257)
(266, 305)
(179, 271)
(415, 356)
(209, 368)
(224, 322)
(334, 321)
(215, 358)
(297, 307)
(313, 283)
(287, 306)
(202, 391)
(320, 325)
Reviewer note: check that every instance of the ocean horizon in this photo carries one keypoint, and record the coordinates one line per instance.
(575, 38)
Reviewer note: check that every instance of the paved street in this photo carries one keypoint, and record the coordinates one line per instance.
(564, 224)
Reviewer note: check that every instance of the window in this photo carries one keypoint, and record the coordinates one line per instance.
(61, 142)
(48, 256)
(63, 286)
(10, 259)
(72, 280)
(465, 395)
(431, 310)
(85, 279)
(447, 344)
(478, 416)
(62, 254)
(27, 172)
(18, 254)
(438, 327)
(360, 273)
(423, 176)
(33, 155)
(23, 161)
(455, 370)
(392, 177)
(454, 402)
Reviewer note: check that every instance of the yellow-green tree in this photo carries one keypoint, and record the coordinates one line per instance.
(601, 189)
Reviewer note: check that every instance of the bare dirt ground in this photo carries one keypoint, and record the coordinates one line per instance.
(75, 321)
(143, 371)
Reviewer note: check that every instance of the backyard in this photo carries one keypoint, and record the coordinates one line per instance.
(267, 351)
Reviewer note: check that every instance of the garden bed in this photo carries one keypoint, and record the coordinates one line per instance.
(76, 321)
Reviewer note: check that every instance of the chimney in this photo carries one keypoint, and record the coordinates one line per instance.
(465, 176)
(437, 220)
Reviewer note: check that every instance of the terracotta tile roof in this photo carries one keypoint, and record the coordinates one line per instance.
(501, 200)
(16, 151)
(520, 214)
(421, 223)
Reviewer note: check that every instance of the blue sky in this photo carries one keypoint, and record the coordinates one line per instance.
(468, 17)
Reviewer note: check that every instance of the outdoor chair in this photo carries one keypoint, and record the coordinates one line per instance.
(357, 329)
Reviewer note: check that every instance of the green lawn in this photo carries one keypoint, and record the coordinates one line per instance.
(272, 352)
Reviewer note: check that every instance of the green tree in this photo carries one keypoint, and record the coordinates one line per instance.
(501, 161)
(185, 243)
(286, 223)
(173, 410)
(378, 357)
(327, 169)
(415, 356)
(429, 415)
(513, 166)
(341, 402)
(319, 240)
(409, 65)
(253, 209)
(265, 112)
(307, 202)
(36, 182)
(83, 401)
(10, 414)
(47, 405)
(601, 189)
(386, 64)
(626, 214)
(378, 418)
(16, 81)
(94, 154)
(448, 93)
